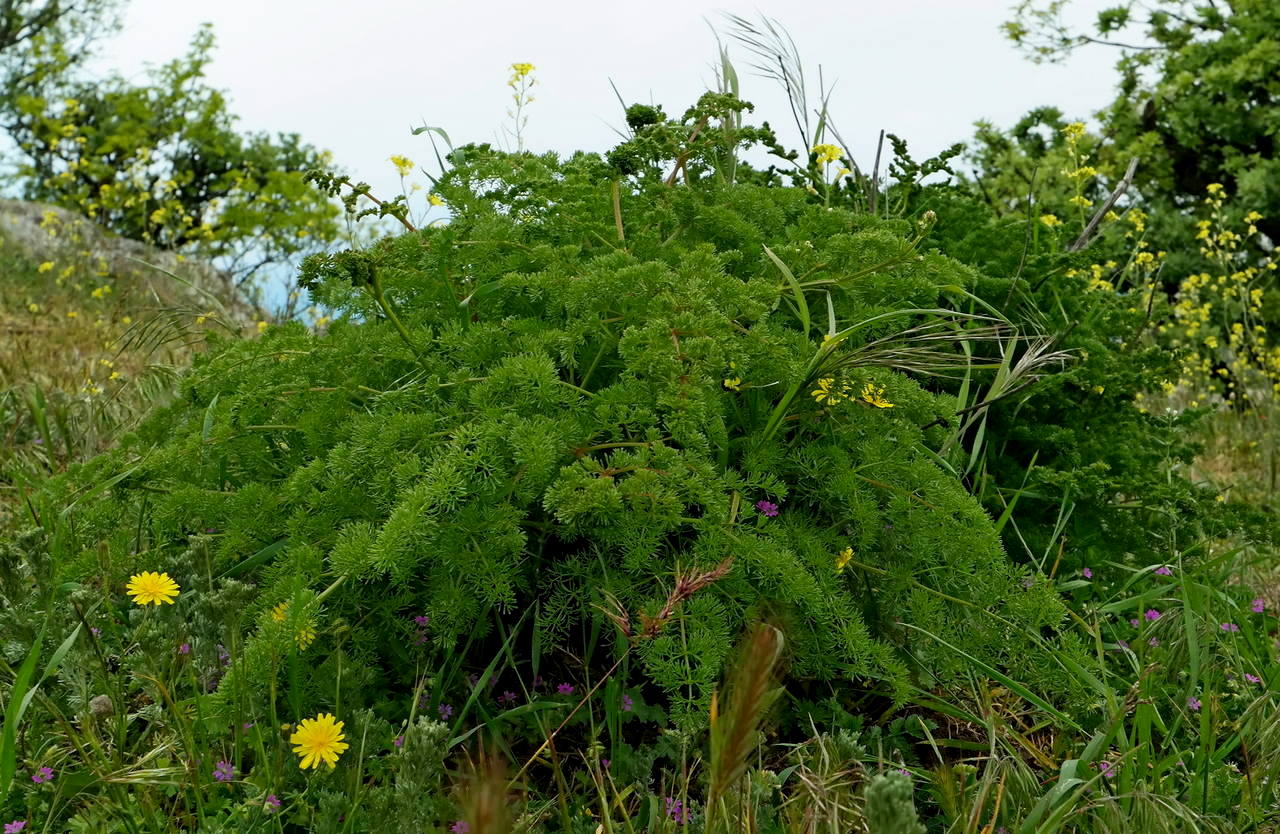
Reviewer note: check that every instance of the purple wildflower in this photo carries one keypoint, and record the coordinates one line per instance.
(1193, 704)
(565, 689)
(44, 774)
(421, 620)
(627, 703)
(1133, 623)
(768, 509)
(97, 632)
(224, 656)
(904, 772)
(1154, 641)
(1259, 605)
(246, 726)
(537, 681)
(1104, 767)
(1086, 573)
(472, 680)
(399, 742)
(185, 648)
(1152, 614)
(1124, 644)
(460, 827)
(273, 803)
(15, 826)
(446, 712)
(1164, 570)
(507, 698)
(224, 772)
(676, 810)
(1229, 627)
(605, 763)
(1252, 678)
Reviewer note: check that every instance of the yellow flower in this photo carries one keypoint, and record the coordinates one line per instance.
(1083, 202)
(1050, 220)
(1214, 188)
(733, 383)
(305, 636)
(826, 153)
(262, 327)
(874, 395)
(72, 314)
(435, 200)
(33, 307)
(149, 587)
(404, 165)
(1073, 131)
(843, 557)
(319, 739)
(45, 267)
(280, 612)
(520, 70)
(830, 392)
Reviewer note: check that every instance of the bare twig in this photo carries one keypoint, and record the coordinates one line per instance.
(1087, 235)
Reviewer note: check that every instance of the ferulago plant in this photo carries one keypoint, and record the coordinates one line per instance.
(588, 383)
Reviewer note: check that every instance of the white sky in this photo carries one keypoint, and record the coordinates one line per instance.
(353, 77)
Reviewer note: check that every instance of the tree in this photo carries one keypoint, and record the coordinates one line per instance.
(36, 33)
(1198, 98)
(162, 163)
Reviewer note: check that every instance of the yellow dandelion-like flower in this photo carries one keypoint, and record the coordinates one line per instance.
(149, 587)
(435, 200)
(1083, 202)
(829, 392)
(842, 558)
(404, 165)
(319, 739)
(874, 395)
(520, 70)
(33, 307)
(45, 267)
(262, 327)
(1050, 220)
(1073, 131)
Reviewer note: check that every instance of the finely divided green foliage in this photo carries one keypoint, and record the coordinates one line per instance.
(546, 418)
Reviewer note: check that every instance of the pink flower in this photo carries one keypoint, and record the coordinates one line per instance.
(565, 689)
(1259, 605)
(399, 742)
(1152, 614)
(273, 803)
(1164, 570)
(1133, 623)
(44, 774)
(185, 648)
(224, 772)
(627, 703)
(507, 698)
(676, 810)
(445, 711)
(1229, 627)
(15, 826)
(1086, 573)
(460, 827)
(768, 509)
(1252, 678)
(1193, 704)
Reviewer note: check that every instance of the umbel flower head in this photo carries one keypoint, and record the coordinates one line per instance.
(149, 587)
(319, 739)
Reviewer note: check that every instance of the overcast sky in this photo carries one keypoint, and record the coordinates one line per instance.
(353, 77)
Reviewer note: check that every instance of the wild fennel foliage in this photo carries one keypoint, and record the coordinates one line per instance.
(554, 402)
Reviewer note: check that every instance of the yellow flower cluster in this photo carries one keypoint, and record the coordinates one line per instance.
(1217, 315)
(827, 153)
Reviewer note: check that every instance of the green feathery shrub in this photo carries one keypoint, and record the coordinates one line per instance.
(583, 388)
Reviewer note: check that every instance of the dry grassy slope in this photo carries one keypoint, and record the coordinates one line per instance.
(90, 336)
